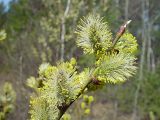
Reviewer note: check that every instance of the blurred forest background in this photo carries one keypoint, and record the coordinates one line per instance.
(40, 31)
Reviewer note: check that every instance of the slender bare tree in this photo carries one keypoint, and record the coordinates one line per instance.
(63, 29)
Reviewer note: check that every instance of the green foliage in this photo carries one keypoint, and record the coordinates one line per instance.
(150, 100)
(57, 87)
(32, 82)
(2, 35)
(60, 85)
(93, 34)
(127, 44)
(95, 37)
(151, 115)
(66, 117)
(7, 100)
(87, 111)
(18, 15)
(115, 68)
(51, 27)
(86, 103)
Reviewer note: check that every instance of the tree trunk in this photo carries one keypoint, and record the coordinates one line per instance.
(142, 57)
(126, 9)
(63, 29)
(148, 34)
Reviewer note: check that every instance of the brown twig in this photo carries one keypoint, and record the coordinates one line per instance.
(119, 34)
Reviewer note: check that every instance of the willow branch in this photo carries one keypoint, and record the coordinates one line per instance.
(119, 34)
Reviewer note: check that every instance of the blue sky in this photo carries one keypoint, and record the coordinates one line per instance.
(5, 2)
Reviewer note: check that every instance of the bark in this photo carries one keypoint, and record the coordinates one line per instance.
(63, 29)
(145, 16)
(21, 68)
(148, 34)
(126, 9)
(153, 65)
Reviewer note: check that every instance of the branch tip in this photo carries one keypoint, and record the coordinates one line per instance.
(127, 23)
